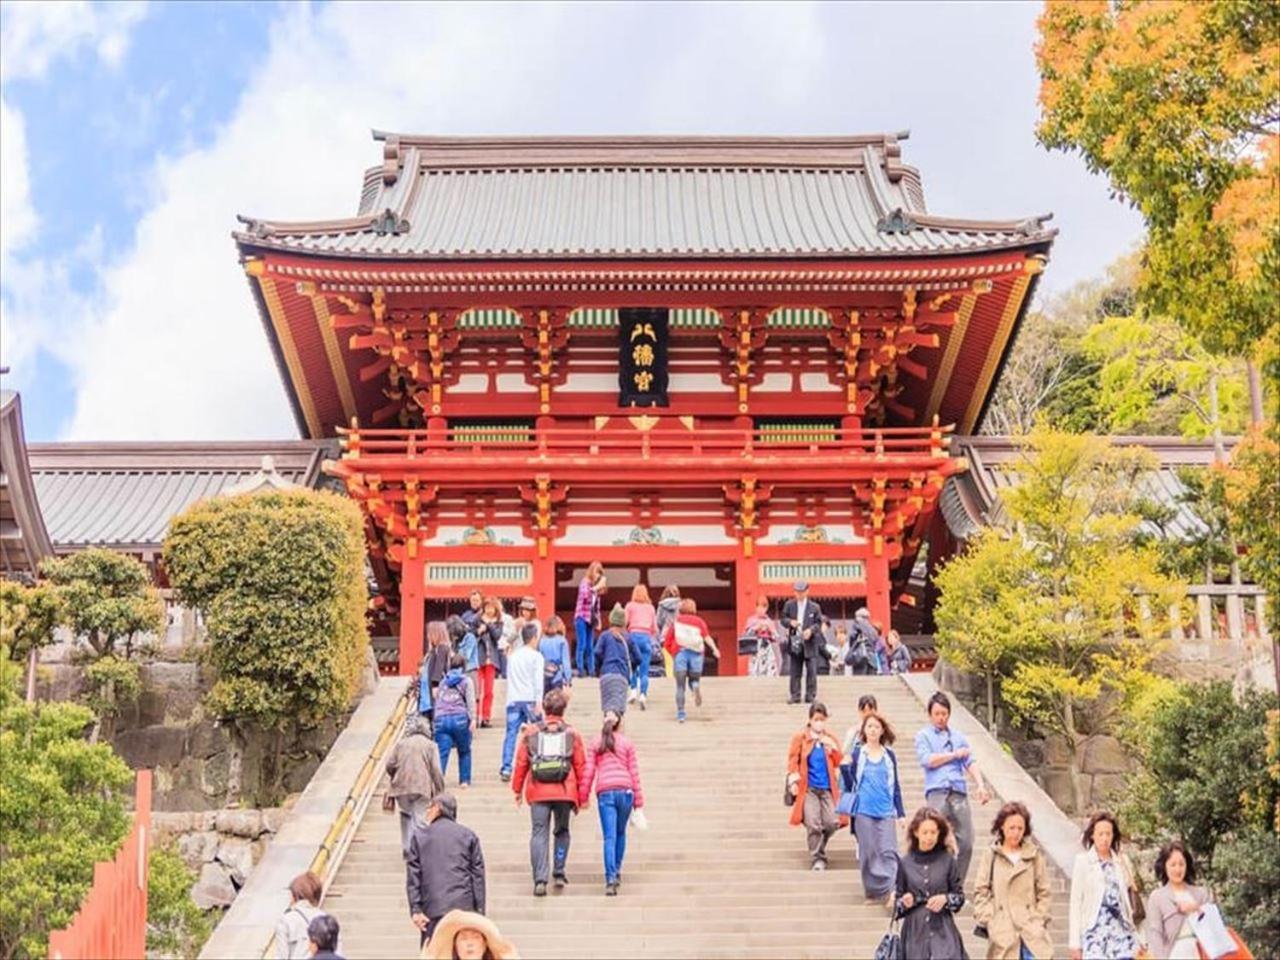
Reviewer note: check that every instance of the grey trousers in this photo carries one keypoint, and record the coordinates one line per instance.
(820, 822)
(411, 808)
(955, 807)
(541, 814)
(877, 854)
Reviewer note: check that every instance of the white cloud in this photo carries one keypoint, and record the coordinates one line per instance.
(35, 33)
(17, 213)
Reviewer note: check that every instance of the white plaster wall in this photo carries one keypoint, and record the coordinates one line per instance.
(445, 534)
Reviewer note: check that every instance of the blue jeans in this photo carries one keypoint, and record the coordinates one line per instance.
(455, 731)
(585, 651)
(518, 714)
(615, 811)
(640, 670)
(688, 667)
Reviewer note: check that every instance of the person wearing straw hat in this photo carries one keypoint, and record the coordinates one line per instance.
(462, 935)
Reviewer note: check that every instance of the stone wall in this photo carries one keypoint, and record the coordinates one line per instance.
(167, 730)
(221, 846)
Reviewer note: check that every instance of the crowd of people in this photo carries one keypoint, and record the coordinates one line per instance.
(919, 876)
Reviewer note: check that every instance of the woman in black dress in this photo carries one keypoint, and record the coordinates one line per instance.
(929, 891)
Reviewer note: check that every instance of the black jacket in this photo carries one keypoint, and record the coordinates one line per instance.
(445, 869)
(812, 622)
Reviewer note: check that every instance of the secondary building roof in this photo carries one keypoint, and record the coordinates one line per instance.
(971, 500)
(123, 495)
(481, 198)
(24, 541)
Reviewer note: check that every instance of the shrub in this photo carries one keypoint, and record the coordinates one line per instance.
(176, 927)
(280, 578)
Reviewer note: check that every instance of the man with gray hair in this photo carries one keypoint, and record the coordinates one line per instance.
(416, 775)
(445, 870)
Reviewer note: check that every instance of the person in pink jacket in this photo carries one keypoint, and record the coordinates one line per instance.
(611, 765)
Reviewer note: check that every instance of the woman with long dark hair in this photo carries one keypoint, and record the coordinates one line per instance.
(1172, 905)
(871, 777)
(612, 766)
(929, 891)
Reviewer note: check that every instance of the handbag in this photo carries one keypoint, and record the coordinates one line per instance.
(388, 803)
(788, 792)
(890, 947)
(980, 929)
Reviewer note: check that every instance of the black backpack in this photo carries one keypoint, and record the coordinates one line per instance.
(861, 650)
(550, 754)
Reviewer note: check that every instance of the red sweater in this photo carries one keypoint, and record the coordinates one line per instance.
(538, 792)
(611, 770)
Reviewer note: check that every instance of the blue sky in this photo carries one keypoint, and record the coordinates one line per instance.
(133, 134)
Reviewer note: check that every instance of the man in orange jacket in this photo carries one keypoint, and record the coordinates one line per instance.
(549, 765)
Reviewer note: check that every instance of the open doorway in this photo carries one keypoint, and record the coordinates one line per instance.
(710, 585)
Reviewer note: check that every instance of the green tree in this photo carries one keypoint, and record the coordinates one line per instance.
(280, 579)
(61, 810)
(28, 617)
(108, 601)
(1177, 104)
(990, 630)
(1081, 596)
(1252, 490)
(176, 927)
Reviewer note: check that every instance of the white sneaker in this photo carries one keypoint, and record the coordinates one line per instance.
(631, 696)
(644, 701)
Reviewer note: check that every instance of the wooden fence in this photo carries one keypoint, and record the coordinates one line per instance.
(112, 922)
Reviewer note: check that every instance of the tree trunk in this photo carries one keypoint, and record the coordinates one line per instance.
(33, 657)
(1256, 413)
(991, 703)
(1220, 456)
(235, 765)
(1073, 767)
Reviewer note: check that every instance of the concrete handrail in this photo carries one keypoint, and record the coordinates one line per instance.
(331, 806)
(1055, 833)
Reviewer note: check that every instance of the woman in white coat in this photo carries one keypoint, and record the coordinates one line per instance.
(1101, 925)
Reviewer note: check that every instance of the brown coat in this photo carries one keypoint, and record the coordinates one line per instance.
(414, 768)
(798, 763)
(1013, 901)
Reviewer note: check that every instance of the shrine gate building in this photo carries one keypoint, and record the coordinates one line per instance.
(724, 362)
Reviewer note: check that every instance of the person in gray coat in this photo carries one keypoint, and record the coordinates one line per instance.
(445, 869)
(416, 776)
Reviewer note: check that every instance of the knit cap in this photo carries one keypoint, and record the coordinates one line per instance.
(617, 616)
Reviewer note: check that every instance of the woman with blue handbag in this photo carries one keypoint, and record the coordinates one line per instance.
(873, 800)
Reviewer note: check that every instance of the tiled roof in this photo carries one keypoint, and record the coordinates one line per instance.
(123, 495)
(635, 197)
(971, 500)
(24, 541)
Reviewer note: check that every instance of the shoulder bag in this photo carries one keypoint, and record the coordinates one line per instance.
(890, 947)
(980, 929)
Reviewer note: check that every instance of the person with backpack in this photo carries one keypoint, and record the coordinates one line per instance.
(611, 765)
(861, 658)
(305, 891)
(455, 718)
(614, 655)
(464, 641)
(550, 765)
(526, 676)
(687, 637)
(873, 801)
(557, 663)
(668, 610)
(802, 623)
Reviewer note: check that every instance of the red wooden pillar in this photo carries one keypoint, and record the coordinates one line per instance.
(746, 588)
(878, 588)
(413, 609)
(544, 588)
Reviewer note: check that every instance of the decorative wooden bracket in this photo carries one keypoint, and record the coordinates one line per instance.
(742, 334)
(749, 496)
(549, 335)
(544, 496)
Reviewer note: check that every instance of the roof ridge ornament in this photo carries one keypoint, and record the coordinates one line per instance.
(897, 220)
(389, 222)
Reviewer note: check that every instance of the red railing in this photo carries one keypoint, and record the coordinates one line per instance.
(571, 441)
(112, 921)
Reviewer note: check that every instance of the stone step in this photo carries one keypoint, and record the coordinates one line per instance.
(720, 873)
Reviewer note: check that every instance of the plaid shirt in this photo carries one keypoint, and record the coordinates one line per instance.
(588, 607)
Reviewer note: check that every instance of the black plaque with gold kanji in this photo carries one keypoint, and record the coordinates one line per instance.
(642, 356)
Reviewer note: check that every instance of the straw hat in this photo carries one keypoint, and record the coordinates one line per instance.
(440, 946)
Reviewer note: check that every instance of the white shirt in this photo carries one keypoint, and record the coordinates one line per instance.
(525, 676)
(801, 605)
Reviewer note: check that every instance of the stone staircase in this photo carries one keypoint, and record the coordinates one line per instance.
(720, 873)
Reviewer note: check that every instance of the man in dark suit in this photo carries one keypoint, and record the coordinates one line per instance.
(802, 620)
(445, 870)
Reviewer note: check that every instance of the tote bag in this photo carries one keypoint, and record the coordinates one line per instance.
(1211, 932)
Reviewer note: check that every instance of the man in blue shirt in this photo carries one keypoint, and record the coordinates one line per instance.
(945, 756)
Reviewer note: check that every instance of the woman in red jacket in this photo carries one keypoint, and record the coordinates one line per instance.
(812, 761)
(611, 764)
